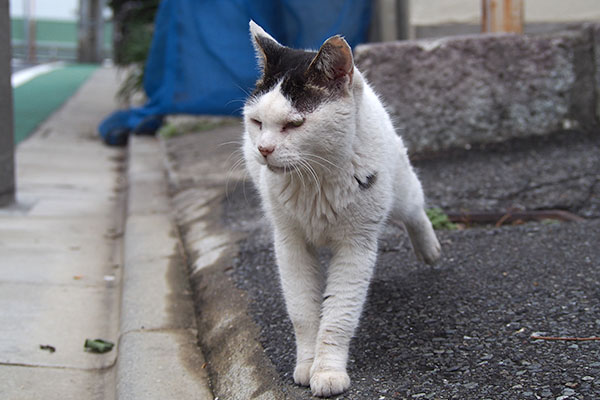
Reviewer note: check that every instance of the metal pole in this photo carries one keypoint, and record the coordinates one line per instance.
(83, 31)
(403, 28)
(502, 16)
(390, 21)
(29, 29)
(90, 12)
(31, 56)
(387, 20)
(7, 165)
(100, 30)
(26, 28)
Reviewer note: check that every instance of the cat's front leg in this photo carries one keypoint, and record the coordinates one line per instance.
(302, 282)
(348, 280)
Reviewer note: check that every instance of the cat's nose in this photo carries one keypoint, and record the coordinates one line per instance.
(266, 150)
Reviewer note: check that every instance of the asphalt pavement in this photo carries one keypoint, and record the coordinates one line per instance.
(460, 330)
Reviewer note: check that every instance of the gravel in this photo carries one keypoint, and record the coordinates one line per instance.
(460, 329)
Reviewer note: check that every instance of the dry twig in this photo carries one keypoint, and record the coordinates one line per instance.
(566, 338)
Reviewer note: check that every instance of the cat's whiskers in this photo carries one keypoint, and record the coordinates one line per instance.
(238, 153)
(291, 175)
(314, 158)
(246, 92)
(239, 143)
(322, 166)
(236, 101)
(298, 170)
(312, 174)
(235, 166)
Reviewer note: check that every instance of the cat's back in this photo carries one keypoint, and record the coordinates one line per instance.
(373, 110)
(376, 136)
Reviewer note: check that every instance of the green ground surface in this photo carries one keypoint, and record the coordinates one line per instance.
(36, 99)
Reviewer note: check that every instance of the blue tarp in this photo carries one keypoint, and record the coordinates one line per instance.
(202, 61)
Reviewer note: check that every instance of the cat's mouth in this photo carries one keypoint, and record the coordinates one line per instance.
(277, 170)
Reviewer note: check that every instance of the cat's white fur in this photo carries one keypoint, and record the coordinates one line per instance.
(311, 195)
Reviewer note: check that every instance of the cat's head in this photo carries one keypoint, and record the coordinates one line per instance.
(302, 109)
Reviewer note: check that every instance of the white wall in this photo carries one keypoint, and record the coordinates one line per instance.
(47, 9)
(431, 12)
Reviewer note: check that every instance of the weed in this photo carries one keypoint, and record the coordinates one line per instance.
(439, 219)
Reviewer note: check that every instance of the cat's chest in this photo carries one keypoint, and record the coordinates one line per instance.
(319, 210)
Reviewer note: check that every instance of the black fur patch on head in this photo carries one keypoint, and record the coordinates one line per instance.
(290, 66)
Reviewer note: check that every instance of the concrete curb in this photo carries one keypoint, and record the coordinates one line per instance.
(238, 366)
(158, 353)
(461, 91)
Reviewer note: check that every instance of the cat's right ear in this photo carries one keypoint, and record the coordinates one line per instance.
(267, 48)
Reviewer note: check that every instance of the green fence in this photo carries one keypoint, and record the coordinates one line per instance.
(55, 40)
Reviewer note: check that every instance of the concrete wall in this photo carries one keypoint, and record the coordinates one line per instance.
(460, 91)
(7, 173)
(440, 18)
(433, 12)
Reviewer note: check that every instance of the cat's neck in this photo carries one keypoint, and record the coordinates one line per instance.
(325, 191)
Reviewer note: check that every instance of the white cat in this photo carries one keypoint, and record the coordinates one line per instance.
(329, 168)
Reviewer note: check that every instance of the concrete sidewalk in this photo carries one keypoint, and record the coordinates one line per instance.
(84, 254)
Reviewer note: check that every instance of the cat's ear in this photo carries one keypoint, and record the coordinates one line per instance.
(333, 64)
(267, 48)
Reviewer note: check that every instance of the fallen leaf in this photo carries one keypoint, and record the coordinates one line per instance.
(51, 349)
(98, 345)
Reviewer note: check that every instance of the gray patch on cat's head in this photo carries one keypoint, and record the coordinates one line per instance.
(308, 78)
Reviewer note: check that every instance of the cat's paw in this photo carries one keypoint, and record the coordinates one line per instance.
(302, 373)
(431, 252)
(329, 382)
(424, 241)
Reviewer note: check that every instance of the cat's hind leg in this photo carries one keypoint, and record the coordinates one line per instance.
(409, 207)
(302, 282)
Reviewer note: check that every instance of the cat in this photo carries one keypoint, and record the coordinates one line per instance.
(329, 168)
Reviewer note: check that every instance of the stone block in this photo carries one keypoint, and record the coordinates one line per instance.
(453, 92)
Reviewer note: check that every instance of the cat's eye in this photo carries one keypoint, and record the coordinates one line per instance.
(256, 122)
(294, 124)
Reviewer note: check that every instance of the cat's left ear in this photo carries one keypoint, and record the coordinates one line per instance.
(333, 64)
(267, 48)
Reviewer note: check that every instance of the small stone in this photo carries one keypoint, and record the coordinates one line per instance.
(471, 385)
(587, 378)
(571, 384)
(453, 368)
(535, 367)
(568, 392)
